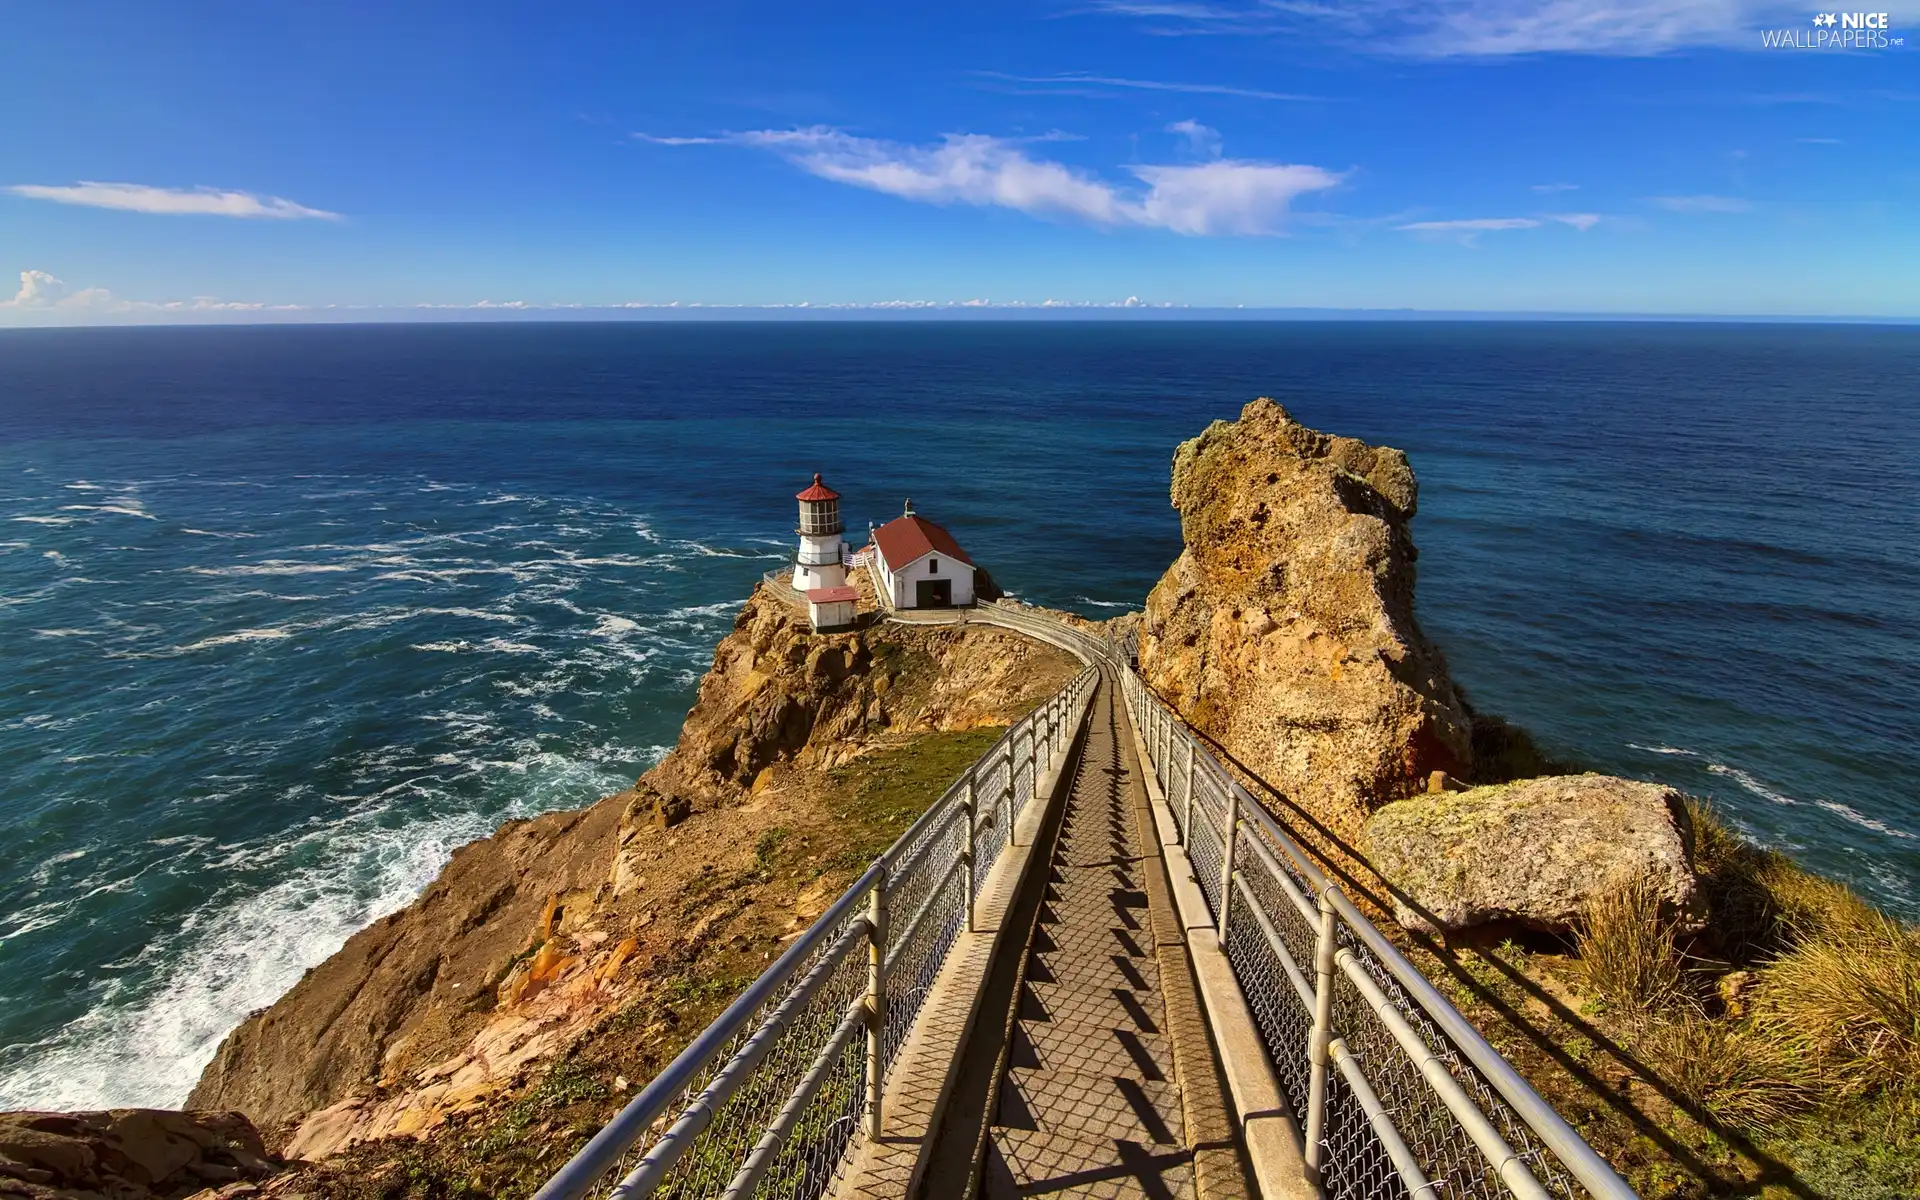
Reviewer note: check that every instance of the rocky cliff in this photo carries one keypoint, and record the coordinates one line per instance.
(533, 941)
(1285, 630)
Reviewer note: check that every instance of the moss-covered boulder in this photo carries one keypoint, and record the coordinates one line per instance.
(1532, 852)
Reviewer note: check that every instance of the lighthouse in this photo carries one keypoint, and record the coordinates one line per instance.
(818, 563)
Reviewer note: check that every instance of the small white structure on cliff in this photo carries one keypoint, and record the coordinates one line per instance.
(819, 566)
(917, 564)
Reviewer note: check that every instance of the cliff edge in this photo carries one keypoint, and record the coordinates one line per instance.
(617, 925)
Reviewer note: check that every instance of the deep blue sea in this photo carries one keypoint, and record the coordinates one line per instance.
(286, 614)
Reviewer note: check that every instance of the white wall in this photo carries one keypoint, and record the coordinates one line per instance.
(818, 564)
(903, 583)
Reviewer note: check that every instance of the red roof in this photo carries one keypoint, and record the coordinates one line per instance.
(905, 539)
(819, 491)
(832, 595)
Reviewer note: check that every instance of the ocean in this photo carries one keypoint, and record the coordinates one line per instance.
(289, 613)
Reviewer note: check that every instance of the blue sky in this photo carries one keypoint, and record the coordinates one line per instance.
(248, 161)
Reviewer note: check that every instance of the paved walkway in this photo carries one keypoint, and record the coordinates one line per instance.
(1107, 1081)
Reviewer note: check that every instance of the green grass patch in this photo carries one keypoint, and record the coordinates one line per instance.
(877, 796)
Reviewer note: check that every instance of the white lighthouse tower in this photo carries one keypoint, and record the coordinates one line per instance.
(818, 563)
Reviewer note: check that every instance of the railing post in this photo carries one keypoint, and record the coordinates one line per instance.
(876, 1002)
(1318, 1053)
(1186, 822)
(1226, 867)
(1033, 767)
(1013, 781)
(966, 804)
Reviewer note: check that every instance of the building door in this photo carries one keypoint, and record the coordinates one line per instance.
(933, 593)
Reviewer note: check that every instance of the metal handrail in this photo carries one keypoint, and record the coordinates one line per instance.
(681, 1129)
(1398, 1093)
(1526, 1149)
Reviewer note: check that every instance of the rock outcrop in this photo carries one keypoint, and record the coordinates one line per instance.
(1532, 852)
(533, 937)
(1285, 629)
(127, 1154)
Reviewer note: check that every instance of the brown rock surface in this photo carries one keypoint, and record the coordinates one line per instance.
(1532, 852)
(1285, 629)
(127, 1153)
(533, 936)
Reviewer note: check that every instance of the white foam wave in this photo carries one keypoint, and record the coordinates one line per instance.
(82, 485)
(1671, 750)
(1103, 603)
(1750, 783)
(271, 567)
(724, 608)
(129, 509)
(244, 635)
(611, 625)
(46, 520)
(214, 533)
(149, 1050)
(60, 633)
(1863, 820)
(707, 551)
(58, 558)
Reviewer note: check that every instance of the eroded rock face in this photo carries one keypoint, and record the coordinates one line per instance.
(531, 937)
(127, 1153)
(1532, 852)
(1285, 629)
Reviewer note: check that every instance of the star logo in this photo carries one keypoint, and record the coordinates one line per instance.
(1825, 19)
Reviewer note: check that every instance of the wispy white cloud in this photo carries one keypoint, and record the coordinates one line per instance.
(1471, 225)
(1224, 197)
(1468, 230)
(1701, 204)
(1480, 28)
(1075, 81)
(1819, 142)
(137, 197)
(1548, 189)
(1201, 139)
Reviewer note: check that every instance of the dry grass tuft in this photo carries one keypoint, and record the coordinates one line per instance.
(1762, 904)
(1847, 998)
(1741, 1076)
(1627, 948)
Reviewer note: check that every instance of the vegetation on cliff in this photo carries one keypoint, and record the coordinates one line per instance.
(470, 1043)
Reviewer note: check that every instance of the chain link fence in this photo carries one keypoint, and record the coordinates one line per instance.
(767, 1099)
(1397, 1094)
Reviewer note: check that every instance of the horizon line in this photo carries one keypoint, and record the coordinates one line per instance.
(919, 312)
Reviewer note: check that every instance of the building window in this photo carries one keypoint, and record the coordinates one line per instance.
(933, 566)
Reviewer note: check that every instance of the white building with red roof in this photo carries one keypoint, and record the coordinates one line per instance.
(819, 566)
(917, 564)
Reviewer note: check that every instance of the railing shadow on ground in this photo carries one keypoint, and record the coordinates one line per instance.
(1397, 1093)
(768, 1098)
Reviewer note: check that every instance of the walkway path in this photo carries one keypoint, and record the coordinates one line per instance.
(1104, 1083)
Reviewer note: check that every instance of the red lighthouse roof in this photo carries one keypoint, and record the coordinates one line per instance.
(819, 491)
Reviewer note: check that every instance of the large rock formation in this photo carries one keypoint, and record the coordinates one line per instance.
(532, 937)
(1532, 852)
(127, 1154)
(1285, 630)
